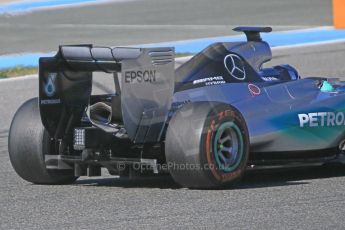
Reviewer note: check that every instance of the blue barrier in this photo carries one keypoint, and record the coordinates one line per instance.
(276, 39)
(18, 7)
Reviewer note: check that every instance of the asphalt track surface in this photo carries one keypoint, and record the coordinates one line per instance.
(130, 22)
(307, 198)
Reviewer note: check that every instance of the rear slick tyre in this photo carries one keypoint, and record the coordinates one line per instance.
(28, 142)
(207, 145)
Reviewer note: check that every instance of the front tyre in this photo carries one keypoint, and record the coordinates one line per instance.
(28, 142)
(207, 145)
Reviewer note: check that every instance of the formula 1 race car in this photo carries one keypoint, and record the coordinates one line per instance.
(204, 123)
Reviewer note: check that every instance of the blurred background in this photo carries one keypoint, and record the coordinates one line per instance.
(40, 26)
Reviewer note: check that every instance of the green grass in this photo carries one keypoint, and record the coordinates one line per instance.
(178, 55)
(18, 71)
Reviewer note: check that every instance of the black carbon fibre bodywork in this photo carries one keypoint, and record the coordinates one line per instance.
(149, 91)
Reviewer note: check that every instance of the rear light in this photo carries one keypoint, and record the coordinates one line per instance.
(79, 139)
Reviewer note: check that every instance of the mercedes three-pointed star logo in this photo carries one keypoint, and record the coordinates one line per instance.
(234, 65)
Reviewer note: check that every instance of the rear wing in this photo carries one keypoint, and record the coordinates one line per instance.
(144, 78)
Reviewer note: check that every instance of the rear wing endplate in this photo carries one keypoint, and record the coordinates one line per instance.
(146, 77)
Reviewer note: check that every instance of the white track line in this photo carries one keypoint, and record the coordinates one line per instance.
(19, 78)
(335, 41)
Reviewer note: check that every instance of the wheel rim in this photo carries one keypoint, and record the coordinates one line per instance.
(228, 146)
